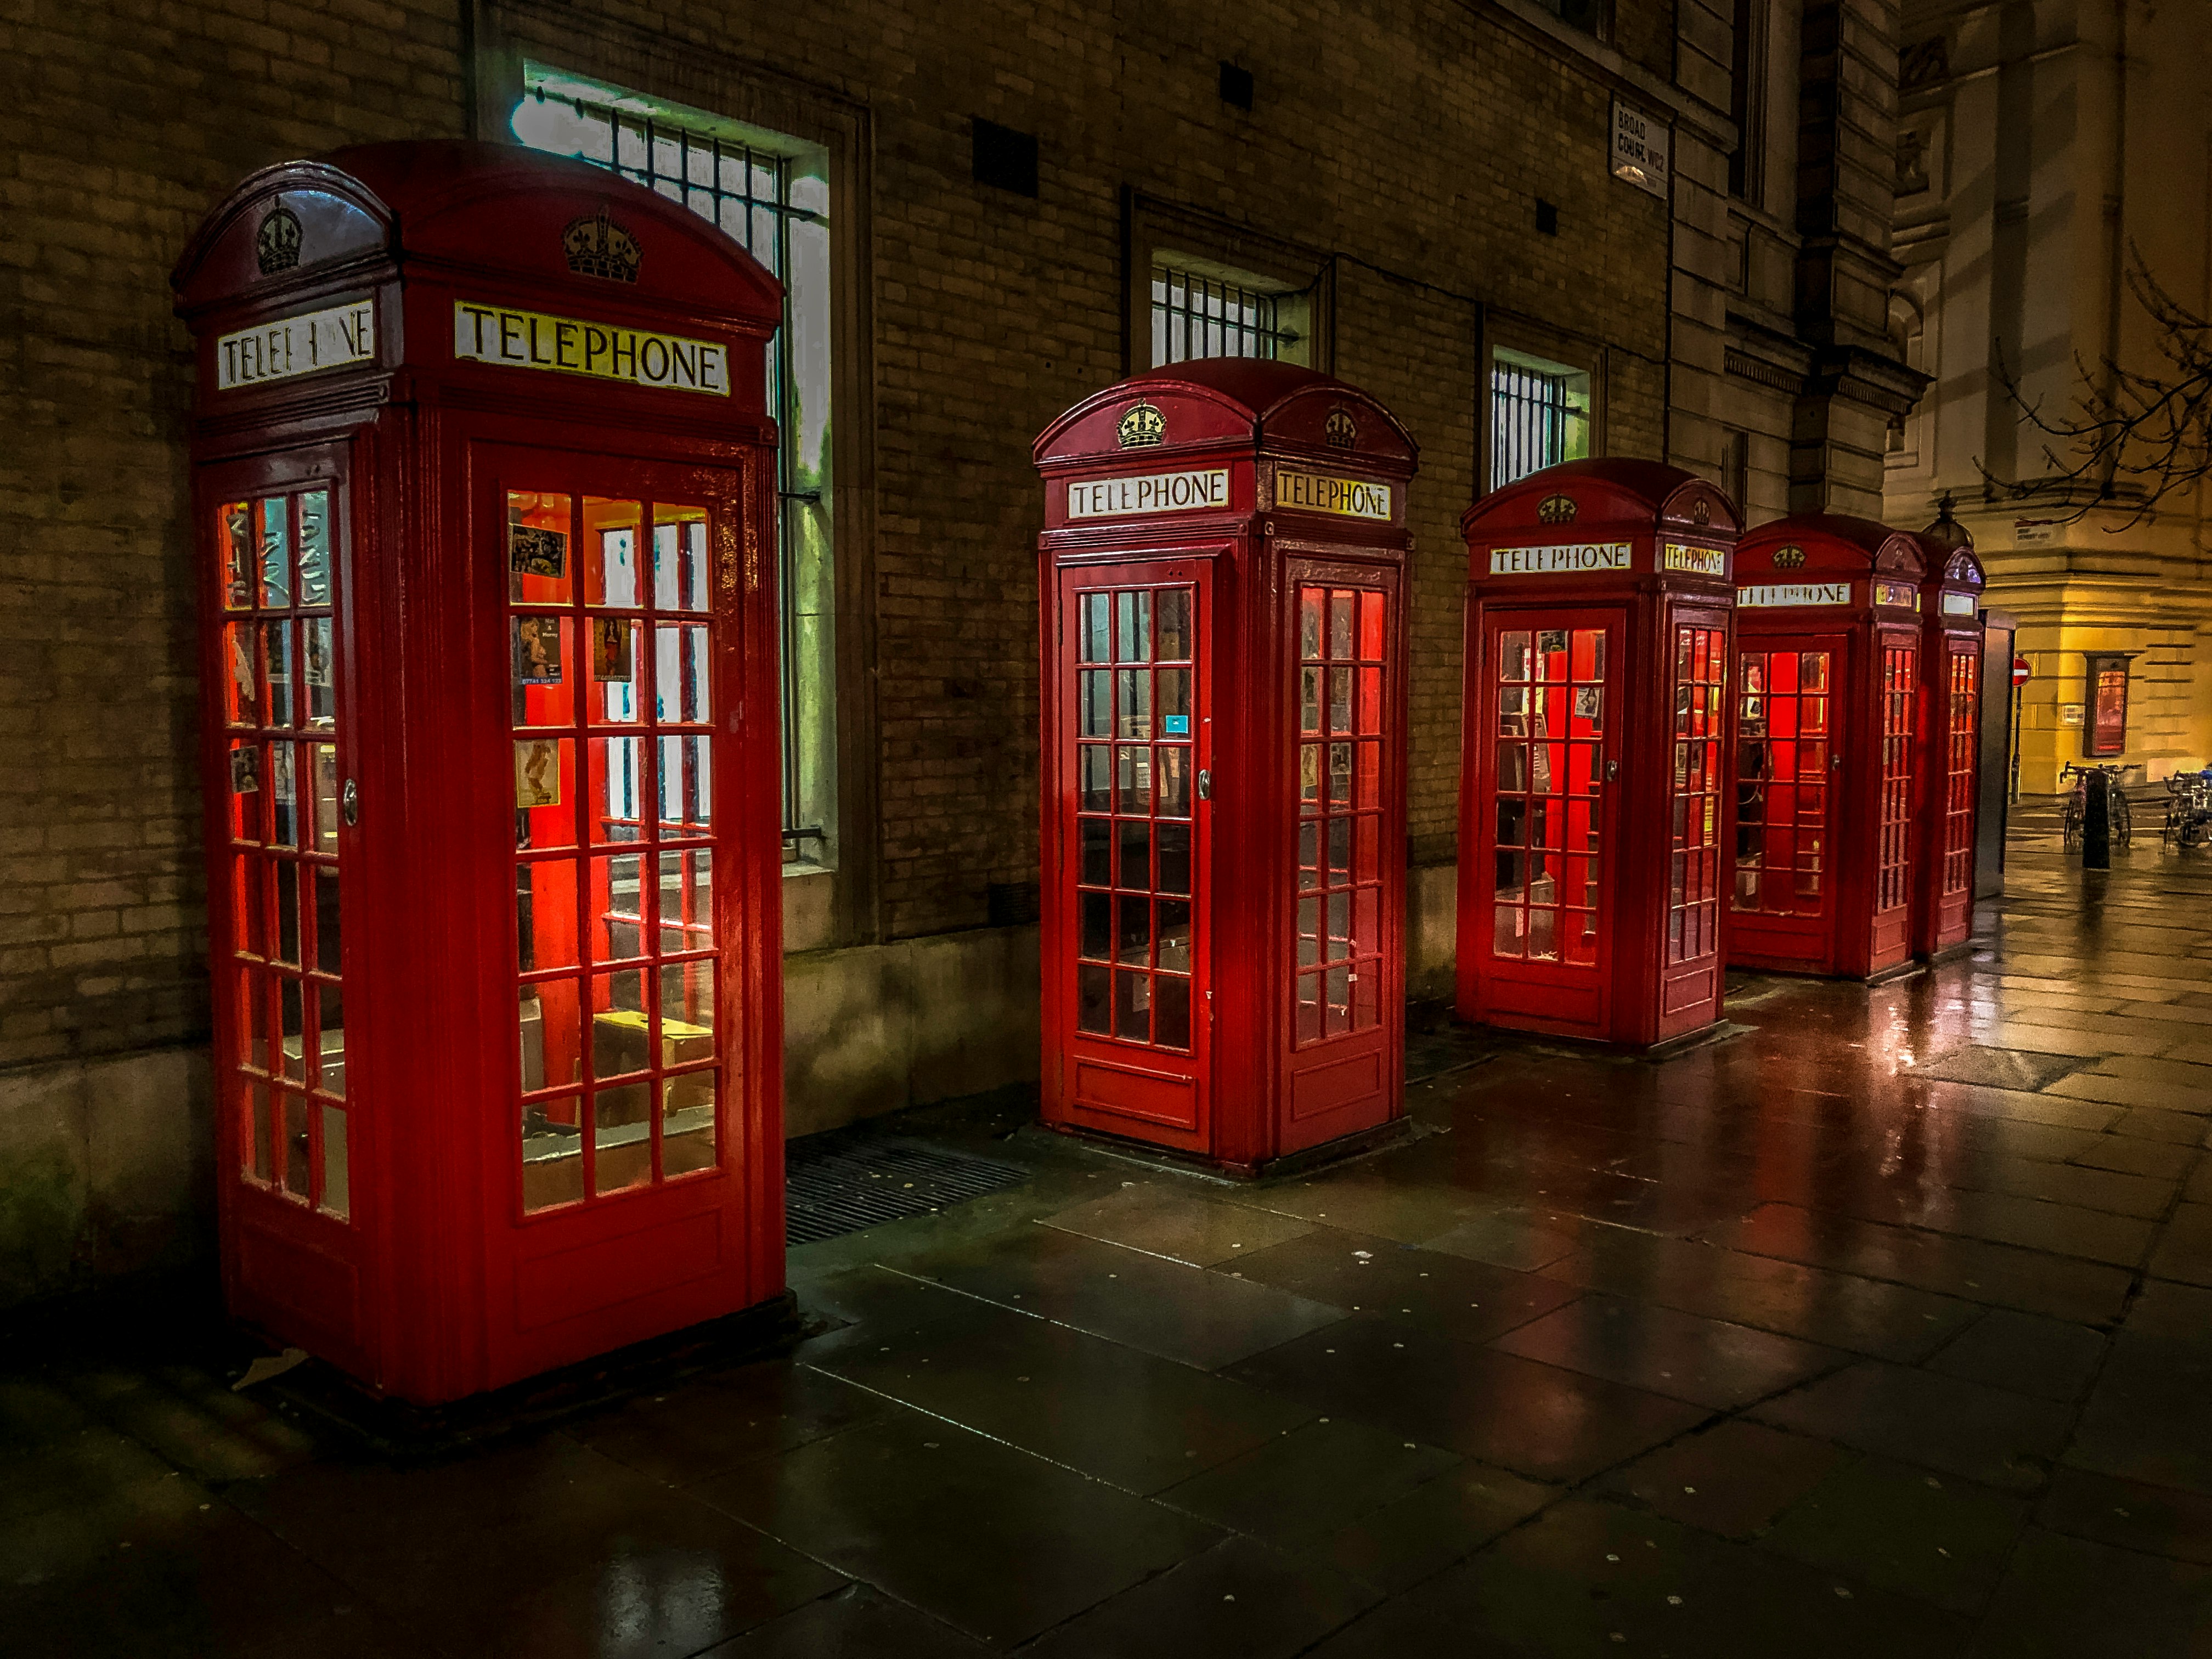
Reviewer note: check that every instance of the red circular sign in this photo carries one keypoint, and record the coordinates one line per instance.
(2019, 671)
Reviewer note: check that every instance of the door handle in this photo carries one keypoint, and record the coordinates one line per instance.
(1612, 770)
(1205, 784)
(350, 803)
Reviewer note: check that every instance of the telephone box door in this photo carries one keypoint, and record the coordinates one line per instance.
(1130, 936)
(1790, 750)
(1549, 703)
(623, 788)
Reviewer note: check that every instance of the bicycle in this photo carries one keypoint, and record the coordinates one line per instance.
(2188, 809)
(2077, 810)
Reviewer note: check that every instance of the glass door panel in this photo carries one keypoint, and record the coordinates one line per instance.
(285, 761)
(1546, 827)
(1785, 745)
(1693, 881)
(611, 708)
(1342, 635)
(1135, 731)
(1900, 699)
(1963, 707)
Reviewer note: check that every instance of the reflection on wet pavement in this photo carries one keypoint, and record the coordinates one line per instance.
(1883, 1328)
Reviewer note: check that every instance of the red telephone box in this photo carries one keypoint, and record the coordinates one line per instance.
(1591, 814)
(1950, 761)
(1828, 702)
(482, 478)
(1221, 578)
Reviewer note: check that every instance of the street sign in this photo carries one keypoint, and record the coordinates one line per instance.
(2019, 671)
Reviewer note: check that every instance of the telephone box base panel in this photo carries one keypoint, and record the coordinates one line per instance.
(1358, 1143)
(392, 1426)
(1669, 1042)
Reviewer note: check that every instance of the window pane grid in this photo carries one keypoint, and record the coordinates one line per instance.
(1899, 689)
(1135, 731)
(1545, 832)
(1965, 707)
(613, 693)
(1783, 755)
(1693, 891)
(1529, 414)
(1343, 636)
(278, 571)
(1200, 316)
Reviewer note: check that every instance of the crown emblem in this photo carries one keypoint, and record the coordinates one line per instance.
(1142, 425)
(1701, 511)
(599, 247)
(1340, 430)
(1556, 509)
(277, 245)
(1791, 558)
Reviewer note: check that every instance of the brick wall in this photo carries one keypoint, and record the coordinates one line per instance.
(1409, 140)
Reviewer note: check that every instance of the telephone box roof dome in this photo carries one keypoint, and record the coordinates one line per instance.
(1861, 543)
(1615, 491)
(467, 206)
(1212, 400)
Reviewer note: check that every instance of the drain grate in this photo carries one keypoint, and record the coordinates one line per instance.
(841, 1181)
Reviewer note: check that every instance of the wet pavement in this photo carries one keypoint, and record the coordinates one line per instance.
(1884, 1326)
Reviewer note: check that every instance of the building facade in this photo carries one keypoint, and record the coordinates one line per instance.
(1534, 229)
(2046, 150)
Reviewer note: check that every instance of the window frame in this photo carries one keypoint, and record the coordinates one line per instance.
(1521, 341)
(2095, 666)
(1162, 233)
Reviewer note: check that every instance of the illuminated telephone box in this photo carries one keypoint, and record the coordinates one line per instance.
(482, 480)
(1224, 745)
(1592, 813)
(1828, 647)
(1949, 764)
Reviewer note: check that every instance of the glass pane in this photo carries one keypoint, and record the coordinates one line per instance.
(1096, 765)
(296, 1145)
(545, 915)
(622, 1137)
(687, 786)
(1340, 627)
(1175, 780)
(551, 1024)
(1092, 988)
(1096, 631)
(1310, 613)
(335, 1196)
(1309, 682)
(288, 913)
(1094, 704)
(620, 1042)
(617, 933)
(687, 1123)
(1135, 836)
(1175, 643)
(1097, 863)
(1174, 853)
(1174, 935)
(330, 1037)
(1340, 699)
(250, 906)
(323, 793)
(1308, 1007)
(291, 1010)
(1132, 627)
(615, 670)
(261, 1136)
(1340, 849)
(1513, 656)
(287, 822)
(687, 1012)
(253, 1018)
(540, 653)
(543, 814)
(680, 667)
(315, 549)
(679, 557)
(1133, 703)
(1134, 779)
(1171, 1012)
(687, 900)
(236, 555)
(276, 656)
(538, 567)
(552, 1152)
(1133, 1006)
(1132, 946)
(273, 524)
(610, 572)
(1095, 930)
(617, 794)
(1308, 932)
(321, 680)
(243, 690)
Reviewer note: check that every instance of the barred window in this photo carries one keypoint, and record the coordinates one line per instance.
(1218, 313)
(768, 192)
(1539, 415)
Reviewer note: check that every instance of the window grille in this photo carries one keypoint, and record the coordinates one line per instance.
(1200, 316)
(746, 192)
(1530, 415)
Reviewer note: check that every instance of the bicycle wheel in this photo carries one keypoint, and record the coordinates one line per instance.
(2069, 826)
(2124, 827)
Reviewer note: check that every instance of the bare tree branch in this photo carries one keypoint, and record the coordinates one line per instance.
(2127, 437)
